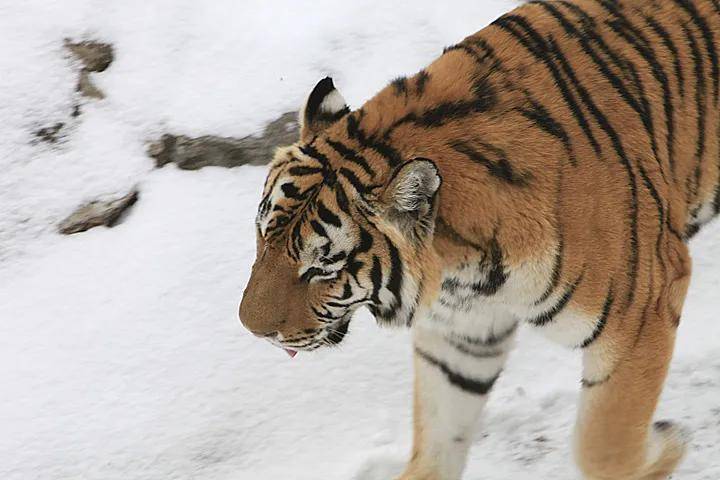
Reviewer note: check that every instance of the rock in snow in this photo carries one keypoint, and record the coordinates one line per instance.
(95, 57)
(98, 213)
(194, 153)
(51, 133)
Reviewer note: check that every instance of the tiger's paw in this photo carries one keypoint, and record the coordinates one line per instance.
(415, 472)
(669, 442)
(380, 466)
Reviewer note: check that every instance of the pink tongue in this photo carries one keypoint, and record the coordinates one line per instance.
(292, 353)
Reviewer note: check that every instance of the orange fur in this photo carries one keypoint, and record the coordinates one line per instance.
(586, 130)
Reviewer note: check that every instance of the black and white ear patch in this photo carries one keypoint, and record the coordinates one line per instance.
(324, 106)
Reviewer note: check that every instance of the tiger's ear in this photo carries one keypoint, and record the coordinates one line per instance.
(323, 107)
(410, 197)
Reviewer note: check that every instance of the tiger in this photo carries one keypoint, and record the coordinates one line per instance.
(546, 172)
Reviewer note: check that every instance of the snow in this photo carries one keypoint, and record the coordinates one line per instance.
(121, 356)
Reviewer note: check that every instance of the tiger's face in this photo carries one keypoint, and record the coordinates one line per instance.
(324, 249)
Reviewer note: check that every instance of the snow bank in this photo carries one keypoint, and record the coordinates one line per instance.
(120, 352)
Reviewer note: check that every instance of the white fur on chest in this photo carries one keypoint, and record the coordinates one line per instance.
(460, 310)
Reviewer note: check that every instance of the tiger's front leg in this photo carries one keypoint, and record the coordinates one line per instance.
(454, 374)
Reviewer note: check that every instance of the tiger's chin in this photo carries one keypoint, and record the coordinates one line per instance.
(393, 318)
(337, 331)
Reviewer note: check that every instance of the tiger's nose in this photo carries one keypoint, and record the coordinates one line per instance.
(258, 331)
(256, 322)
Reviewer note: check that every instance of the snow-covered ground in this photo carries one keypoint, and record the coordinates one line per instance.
(121, 356)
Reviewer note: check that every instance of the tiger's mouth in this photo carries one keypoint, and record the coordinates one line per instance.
(329, 336)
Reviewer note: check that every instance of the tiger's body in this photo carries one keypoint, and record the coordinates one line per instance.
(574, 148)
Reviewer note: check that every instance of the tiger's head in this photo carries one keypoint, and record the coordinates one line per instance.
(334, 235)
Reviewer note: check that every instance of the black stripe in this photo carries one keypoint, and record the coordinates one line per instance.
(485, 94)
(496, 278)
(312, 272)
(318, 228)
(400, 86)
(331, 117)
(296, 240)
(670, 45)
(420, 82)
(445, 112)
(672, 229)
(352, 156)
(395, 279)
(661, 214)
(700, 105)
(327, 216)
(354, 180)
(347, 291)
(342, 199)
(353, 129)
(708, 38)
(325, 317)
(353, 265)
(518, 27)
(290, 190)
(334, 259)
(366, 241)
(265, 202)
(313, 152)
(475, 353)
(444, 228)
(476, 387)
(479, 59)
(391, 155)
(540, 116)
(593, 383)
(501, 169)
(492, 340)
(280, 208)
(602, 321)
(376, 279)
(346, 304)
(487, 51)
(486, 48)
(415, 301)
(692, 230)
(557, 269)
(549, 315)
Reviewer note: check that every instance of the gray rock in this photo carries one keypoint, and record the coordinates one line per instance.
(98, 213)
(50, 134)
(194, 153)
(87, 88)
(95, 56)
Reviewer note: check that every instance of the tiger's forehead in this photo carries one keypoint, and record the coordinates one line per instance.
(299, 201)
(293, 165)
